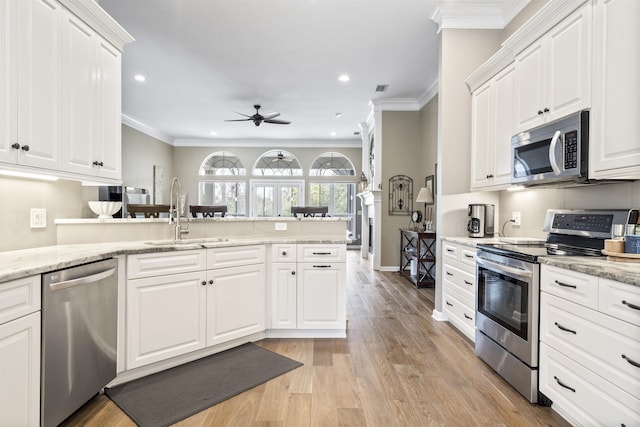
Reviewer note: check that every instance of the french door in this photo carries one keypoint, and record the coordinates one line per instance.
(275, 198)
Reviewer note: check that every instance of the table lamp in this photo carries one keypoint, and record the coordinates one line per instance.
(425, 196)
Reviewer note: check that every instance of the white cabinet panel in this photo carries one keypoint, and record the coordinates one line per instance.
(283, 295)
(31, 131)
(20, 371)
(166, 317)
(620, 300)
(553, 75)
(235, 302)
(571, 285)
(234, 256)
(163, 263)
(19, 298)
(321, 295)
(614, 151)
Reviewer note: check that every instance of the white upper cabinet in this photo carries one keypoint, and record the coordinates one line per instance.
(492, 129)
(553, 75)
(614, 143)
(30, 131)
(91, 101)
(60, 84)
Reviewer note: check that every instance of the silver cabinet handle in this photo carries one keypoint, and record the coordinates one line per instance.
(503, 268)
(81, 280)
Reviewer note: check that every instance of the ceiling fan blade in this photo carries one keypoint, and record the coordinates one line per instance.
(271, 115)
(242, 114)
(277, 122)
(238, 120)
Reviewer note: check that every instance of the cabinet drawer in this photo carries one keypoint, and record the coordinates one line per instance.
(322, 253)
(450, 250)
(462, 280)
(620, 300)
(468, 256)
(234, 256)
(607, 346)
(459, 313)
(163, 263)
(19, 298)
(589, 399)
(283, 252)
(570, 285)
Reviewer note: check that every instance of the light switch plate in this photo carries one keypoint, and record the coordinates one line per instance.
(38, 218)
(281, 226)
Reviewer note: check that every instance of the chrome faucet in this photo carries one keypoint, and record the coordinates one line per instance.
(176, 212)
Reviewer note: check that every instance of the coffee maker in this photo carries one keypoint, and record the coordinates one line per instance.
(481, 220)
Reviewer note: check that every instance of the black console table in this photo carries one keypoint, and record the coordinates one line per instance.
(419, 247)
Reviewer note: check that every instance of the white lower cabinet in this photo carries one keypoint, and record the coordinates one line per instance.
(308, 290)
(321, 295)
(166, 317)
(20, 352)
(459, 287)
(590, 347)
(235, 302)
(20, 371)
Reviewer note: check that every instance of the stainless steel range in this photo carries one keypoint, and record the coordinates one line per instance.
(508, 295)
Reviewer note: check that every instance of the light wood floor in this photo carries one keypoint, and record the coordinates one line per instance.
(398, 367)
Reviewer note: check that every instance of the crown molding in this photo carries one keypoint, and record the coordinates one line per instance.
(476, 14)
(395, 104)
(268, 143)
(428, 94)
(490, 68)
(96, 17)
(147, 130)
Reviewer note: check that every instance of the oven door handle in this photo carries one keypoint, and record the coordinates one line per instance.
(552, 153)
(501, 268)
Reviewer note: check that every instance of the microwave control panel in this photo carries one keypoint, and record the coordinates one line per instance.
(571, 150)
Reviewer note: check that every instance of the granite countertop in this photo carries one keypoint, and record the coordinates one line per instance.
(625, 272)
(27, 262)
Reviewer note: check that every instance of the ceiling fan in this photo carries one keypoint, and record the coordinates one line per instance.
(282, 157)
(258, 118)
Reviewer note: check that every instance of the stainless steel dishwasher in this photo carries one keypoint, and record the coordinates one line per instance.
(79, 337)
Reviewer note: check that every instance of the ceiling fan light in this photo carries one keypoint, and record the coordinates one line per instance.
(344, 78)
(140, 78)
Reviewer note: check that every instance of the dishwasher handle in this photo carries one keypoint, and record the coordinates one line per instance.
(58, 286)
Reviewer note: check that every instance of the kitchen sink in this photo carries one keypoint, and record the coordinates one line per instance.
(186, 241)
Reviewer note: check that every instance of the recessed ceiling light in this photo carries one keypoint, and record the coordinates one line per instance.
(140, 77)
(333, 134)
(344, 78)
(213, 132)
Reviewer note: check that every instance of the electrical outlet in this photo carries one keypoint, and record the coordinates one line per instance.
(515, 216)
(281, 226)
(38, 218)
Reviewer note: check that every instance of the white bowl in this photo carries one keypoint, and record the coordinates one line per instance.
(105, 209)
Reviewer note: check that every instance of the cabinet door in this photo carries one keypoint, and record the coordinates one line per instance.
(283, 295)
(568, 67)
(614, 152)
(166, 317)
(8, 98)
(78, 102)
(481, 136)
(235, 302)
(321, 295)
(503, 125)
(39, 83)
(20, 371)
(107, 146)
(530, 84)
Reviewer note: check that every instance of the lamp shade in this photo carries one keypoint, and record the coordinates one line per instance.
(424, 196)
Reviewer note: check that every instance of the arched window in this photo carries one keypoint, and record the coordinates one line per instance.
(332, 164)
(222, 163)
(277, 163)
(219, 183)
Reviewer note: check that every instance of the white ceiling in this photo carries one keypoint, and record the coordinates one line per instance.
(204, 60)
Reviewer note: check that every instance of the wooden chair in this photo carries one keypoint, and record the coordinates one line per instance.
(207, 211)
(149, 211)
(309, 211)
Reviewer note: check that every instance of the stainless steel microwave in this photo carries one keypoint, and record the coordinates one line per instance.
(554, 153)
